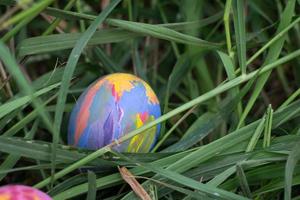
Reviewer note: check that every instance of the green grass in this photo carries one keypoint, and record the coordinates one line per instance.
(225, 72)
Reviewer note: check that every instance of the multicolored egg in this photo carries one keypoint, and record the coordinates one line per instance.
(21, 192)
(112, 107)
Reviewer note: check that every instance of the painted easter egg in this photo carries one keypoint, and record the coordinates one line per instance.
(111, 107)
(21, 192)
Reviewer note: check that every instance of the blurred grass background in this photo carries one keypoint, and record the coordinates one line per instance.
(226, 73)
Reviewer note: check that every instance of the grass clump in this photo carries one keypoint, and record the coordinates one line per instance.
(226, 74)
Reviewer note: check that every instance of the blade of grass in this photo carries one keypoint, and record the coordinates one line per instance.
(69, 70)
(23, 84)
(227, 25)
(170, 114)
(112, 178)
(68, 183)
(45, 80)
(176, 26)
(228, 65)
(40, 151)
(205, 167)
(243, 181)
(108, 63)
(8, 2)
(272, 55)
(11, 160)
(193, 10)
(292, 160)
(278, 36)
(256, 135)
(181, 68)
(43, 44)
(24, 121)
(81, 22)
(209, 121)
(284, 81)
(137, 61)
(202, 127)
(230, 71)
(276, 185)
(261, 173)
(268, 127)
(153, 192)
(203, 188)
(260, 11)
(72, 167)
(209, 150)
(135, 56)
(134, 184)
(34, 11)
(21, 101)
(92, 186)
(23, 14)
(162, 33)
(217, 180)
(161, 141)
(53, 25)
(240, 32)
(290, 99)
(32, 167)
(165, 20)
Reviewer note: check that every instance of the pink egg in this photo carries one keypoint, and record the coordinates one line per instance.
(22, 192)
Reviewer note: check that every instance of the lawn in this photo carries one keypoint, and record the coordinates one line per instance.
(226, 74)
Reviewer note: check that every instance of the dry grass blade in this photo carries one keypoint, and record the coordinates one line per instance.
(134, 184)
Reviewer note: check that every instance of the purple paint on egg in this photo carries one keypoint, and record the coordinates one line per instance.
(111, 107)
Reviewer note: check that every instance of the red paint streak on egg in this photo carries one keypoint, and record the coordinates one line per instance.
(84, 113)
(144, 116)
(115, 93)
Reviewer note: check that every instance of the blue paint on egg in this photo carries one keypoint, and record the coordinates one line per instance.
(112, 107)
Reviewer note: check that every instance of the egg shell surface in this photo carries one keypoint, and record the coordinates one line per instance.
(22, 192)
(111, 107)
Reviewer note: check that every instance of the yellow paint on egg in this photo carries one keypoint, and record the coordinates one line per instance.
(125, 82)
(137, 142)
(121, 82)
(5, 197)
(150, 94)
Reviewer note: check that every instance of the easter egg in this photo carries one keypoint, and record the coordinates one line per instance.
(21, 192)
(110, 108)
